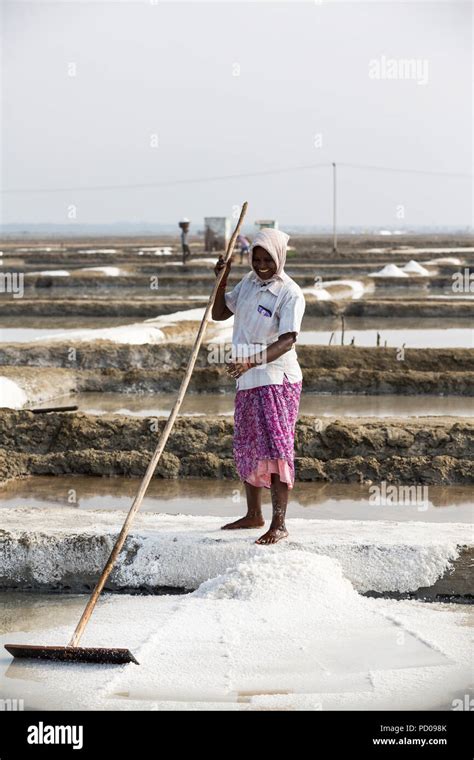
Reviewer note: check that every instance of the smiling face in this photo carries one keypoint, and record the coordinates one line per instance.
(263, 263)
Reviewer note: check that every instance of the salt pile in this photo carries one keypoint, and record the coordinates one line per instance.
(446, 260)
(276, 623)
(54, 273)
(413, 267)
(98, 250)
(108, 271)
(154, 330)
(275, 577)
(190, 262)
(11, 395)
(321, 294)
(135, 334)
(279, 629)
(334, 290)
(157, 251)
(389, 270)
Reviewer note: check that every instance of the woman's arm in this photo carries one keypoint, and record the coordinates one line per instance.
(272, 352)
(277, 349)
(220, 310)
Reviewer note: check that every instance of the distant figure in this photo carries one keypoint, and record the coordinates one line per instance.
(186, 251)
(244, 247)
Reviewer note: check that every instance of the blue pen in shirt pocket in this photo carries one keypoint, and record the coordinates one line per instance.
(265, 312)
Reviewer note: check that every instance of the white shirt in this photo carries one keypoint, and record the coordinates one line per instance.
(264, 311)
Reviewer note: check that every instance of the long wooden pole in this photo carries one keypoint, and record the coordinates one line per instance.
(334, 209)
(159, 449)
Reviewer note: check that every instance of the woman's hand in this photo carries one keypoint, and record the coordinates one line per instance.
(220, 310)
(219, 266)
(236, 369)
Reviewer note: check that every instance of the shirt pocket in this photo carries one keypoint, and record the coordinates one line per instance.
(264, 320)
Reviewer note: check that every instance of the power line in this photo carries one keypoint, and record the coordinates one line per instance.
(411, 171)
(168, 183)
(223, 177)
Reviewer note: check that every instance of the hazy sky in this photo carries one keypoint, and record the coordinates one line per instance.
(236, 88)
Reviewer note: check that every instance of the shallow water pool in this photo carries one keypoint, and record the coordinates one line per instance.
(338, 501)
(334, 405)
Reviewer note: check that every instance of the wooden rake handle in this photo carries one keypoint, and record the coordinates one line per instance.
(159, 449)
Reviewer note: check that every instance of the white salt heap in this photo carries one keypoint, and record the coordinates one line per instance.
(267, 577)
(190, 262)
(179, 326)
(11, 395)
(166, 251)
(334, 290)
(108, 271)
(413, 267)
(447, 260)
(54, 273)
(98, 250)
(389, 270)
(282, 629)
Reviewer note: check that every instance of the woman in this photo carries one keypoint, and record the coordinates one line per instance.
(268, 307)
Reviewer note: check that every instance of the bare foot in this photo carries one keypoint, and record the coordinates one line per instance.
(272, 536)
(245, 522)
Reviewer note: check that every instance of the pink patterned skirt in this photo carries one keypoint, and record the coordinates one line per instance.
(264, 432)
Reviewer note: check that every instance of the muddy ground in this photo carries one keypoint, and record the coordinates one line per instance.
(430, 450)
(42, 384)
(79, 266)
(107, 366)
(143, 308)
(102, 354)
(348, 245)
(434, 450)
(91, 283)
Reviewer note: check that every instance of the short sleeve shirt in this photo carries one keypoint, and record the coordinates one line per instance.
(262, 312)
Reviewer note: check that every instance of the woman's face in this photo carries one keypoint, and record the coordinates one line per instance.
(263, 263)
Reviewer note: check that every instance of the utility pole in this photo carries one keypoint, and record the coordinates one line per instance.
(334, 210)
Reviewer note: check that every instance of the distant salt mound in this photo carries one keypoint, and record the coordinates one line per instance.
(334, 290)
(190, 262)
(354, 289)
(157, 251)
(188, 315)
(389, 270)
(286, 577)
(413, 267)
(321, 294)
(11, 395)
(446, 260)
(108, 271)
(97, 250)
(54, 272)
(180, 326)
(135, 334)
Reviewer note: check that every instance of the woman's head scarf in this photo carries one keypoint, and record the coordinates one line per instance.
(275, 243)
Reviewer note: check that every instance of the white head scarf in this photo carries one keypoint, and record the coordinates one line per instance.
(275, 243)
